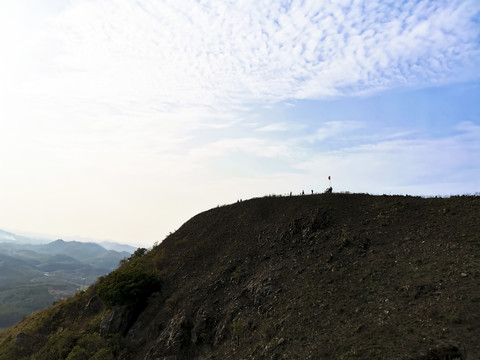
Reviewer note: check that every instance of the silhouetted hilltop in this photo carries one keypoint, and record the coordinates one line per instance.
(331, 276)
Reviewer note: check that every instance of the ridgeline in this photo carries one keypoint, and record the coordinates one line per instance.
(331, 276)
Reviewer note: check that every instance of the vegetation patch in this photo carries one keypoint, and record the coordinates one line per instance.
(130, 284)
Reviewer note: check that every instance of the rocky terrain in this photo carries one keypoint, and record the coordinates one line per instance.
(331, 276)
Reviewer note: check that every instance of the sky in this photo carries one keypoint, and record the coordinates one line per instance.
(121, 119)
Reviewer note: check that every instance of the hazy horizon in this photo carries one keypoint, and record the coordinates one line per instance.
(121, 120)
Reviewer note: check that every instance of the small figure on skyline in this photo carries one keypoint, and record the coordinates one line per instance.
(329, 189)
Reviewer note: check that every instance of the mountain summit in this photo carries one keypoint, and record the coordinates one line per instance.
(331, 276)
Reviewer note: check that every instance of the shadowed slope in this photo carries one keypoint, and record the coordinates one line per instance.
(313, 277)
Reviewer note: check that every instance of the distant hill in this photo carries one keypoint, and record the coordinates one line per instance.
(13, 270)
(331, 276)
(33, 276)
(62, 262)
(117, 247)
(75, 248)
(6, 236)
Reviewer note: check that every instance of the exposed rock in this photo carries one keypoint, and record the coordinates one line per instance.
(443, 352)
(117, 321)
(94, 305)
(222, 330)
(171, 340)
(203, 325)
(262, 290)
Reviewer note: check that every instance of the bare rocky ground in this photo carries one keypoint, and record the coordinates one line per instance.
(331, 276)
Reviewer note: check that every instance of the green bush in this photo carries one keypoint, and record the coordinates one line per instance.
(128, 285)
(90, 346)
(58, 346)
(103, 354)
(78, 353)
(91, 343)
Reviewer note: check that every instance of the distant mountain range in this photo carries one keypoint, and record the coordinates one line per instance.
(117, 247)
(6, 236)
(34, 275)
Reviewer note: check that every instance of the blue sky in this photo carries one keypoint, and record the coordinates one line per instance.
(122, 119)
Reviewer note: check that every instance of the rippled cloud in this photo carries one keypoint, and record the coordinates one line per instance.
(198, 52)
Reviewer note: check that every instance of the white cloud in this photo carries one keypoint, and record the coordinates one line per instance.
(124, 58)
(332, 129)
(257, 146)
(281, 126)
(198, 53)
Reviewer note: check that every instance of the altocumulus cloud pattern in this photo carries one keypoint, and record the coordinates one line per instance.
(203, 51)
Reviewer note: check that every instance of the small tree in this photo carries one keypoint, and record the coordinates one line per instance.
(127, 285)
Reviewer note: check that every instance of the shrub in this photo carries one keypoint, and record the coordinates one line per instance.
(58, 346)
(77, 353)
(128, 285)
(237, 329)
(132, 283)
(103, 354)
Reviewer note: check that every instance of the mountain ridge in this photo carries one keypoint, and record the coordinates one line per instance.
(332, 276)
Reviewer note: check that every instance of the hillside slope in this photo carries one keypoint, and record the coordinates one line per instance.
(332, 276)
